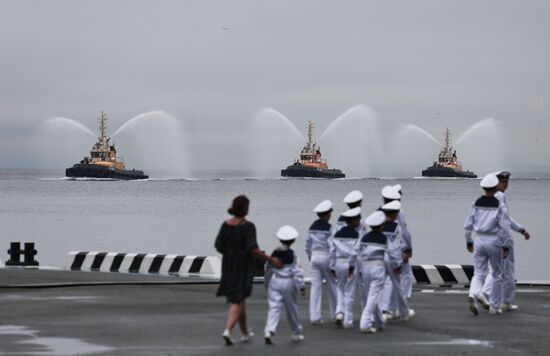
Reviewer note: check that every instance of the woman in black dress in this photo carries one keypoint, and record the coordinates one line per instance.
(236, 241)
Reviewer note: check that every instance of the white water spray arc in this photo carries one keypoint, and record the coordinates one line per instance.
(63, 121)
(411, 127)
(485, 123)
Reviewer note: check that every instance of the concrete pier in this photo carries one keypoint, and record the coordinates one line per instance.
(69, 313)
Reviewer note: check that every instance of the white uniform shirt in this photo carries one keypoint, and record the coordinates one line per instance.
(318, 237)
(392, 231)
(291, 267)
(405, 234)
(341, 245)
(514, 225)
(489, 216)
(372, 246)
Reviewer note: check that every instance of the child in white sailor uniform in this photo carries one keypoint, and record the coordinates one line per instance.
(283, 286)
(317, 250)
(370, 252)
(397, 304)
(341, 246)
(488, 237)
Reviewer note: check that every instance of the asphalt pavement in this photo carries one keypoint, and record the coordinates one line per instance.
(88, 313)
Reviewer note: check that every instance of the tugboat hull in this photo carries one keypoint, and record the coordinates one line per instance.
(447, 173)
(299, 171)
(84, 170)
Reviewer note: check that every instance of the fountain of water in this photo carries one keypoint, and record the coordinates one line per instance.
(351, 142)
(157, 141)
(488, 123)
(61, 141)
(483, 153)
(68, 123)
(138, 118)
(272, 113)
(410, 148)
(411, 127)
(272, 146)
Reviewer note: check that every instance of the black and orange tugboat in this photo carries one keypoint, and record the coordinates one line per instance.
(310, 164)
(103, 161)
(447, 164)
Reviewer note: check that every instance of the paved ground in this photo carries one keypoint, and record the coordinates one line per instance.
(186, 319)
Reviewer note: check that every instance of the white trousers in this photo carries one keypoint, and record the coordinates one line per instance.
(406, 280)
(508, 279)
(320, 270)
(487, 252)
(393, 298)
(373, 278)
(345, 292)
(283, 291)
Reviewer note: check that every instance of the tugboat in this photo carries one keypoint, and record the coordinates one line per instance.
(447, 164)
(310, 164)
(103, 161)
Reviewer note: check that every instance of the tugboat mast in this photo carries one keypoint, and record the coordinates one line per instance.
(447, 139)
(309, 144)
(102, 131)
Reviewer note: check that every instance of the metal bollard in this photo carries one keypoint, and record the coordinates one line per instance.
(29, 254)
(15, 253)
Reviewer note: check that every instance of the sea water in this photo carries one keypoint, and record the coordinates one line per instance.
(183, 216)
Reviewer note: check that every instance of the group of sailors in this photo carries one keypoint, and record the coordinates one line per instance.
(370, 257)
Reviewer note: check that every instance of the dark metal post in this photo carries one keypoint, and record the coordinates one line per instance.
(30, 252)
(15, 253)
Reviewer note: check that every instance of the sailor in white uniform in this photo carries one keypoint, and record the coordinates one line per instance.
(317, 250)
(395, 303)
(390, 194)
(341, 246)
(487, 231)
(406, 272)
(353, 199)
(283, 285)
(370, 252)
(508, 273)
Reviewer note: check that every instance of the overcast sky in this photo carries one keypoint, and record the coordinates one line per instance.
(212, 64)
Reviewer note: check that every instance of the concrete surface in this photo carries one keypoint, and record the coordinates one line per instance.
(155, 318)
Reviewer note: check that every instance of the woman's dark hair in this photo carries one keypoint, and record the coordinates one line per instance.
(239, 207)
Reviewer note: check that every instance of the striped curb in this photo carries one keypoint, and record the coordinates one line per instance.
(175, 265)
(210, 267)
(442, 274)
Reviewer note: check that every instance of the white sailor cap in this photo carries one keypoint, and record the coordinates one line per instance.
(287, 233)
(323, 207)
(394, 205)
(489, 181)
(389, 192)
(353, 197)
(375, 219)
(352, 213)
(398, 187)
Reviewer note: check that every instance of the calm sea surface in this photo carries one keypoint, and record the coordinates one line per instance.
(183, 216)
